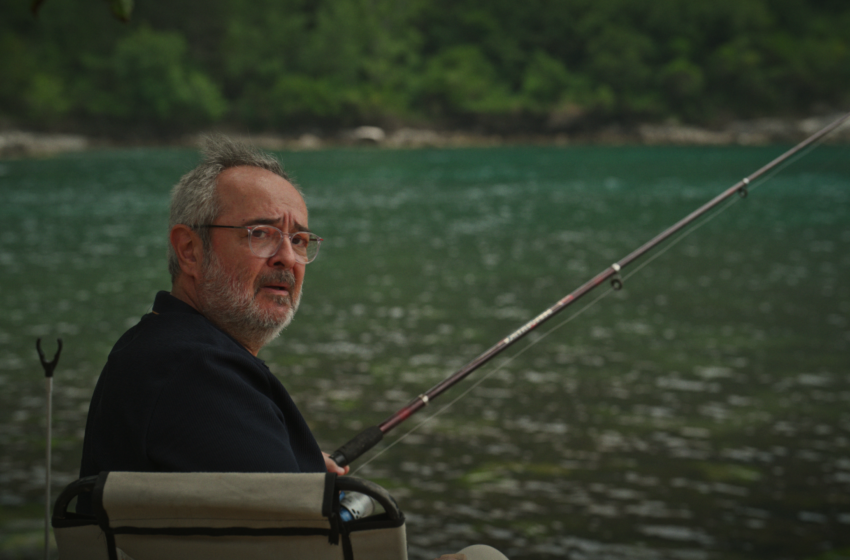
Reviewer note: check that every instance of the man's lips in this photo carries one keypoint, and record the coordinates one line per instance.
(280, 289)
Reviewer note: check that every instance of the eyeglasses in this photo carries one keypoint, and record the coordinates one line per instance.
(265, 241)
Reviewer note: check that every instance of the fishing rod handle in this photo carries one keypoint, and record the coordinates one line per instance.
(360, 444)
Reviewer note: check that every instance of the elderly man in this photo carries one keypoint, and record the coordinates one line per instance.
(183, 390)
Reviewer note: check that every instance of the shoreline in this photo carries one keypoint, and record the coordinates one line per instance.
(23, 144)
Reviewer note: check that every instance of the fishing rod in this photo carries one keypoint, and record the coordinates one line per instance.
(371, 436)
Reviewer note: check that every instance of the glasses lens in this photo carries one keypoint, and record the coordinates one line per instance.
(305, 245)
(265, 240)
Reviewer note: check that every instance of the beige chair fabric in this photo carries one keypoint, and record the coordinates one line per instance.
(215, 500)
(218, 516)
(86, 542)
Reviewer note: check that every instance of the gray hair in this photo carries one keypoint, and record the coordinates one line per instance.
(194, 200)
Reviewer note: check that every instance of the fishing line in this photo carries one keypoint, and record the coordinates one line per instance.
(657, 253)
(370, 437)
(497, 369)
(707, 218)
(542, 336)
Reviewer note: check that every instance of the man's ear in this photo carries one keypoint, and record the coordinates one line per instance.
(189, 249)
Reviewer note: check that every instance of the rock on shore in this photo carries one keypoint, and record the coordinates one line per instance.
(15, 143)
(744, 133)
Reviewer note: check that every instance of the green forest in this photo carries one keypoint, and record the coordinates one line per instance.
(498, 65)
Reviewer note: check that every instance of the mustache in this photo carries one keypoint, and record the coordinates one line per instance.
(277, 277)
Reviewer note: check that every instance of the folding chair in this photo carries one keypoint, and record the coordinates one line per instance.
(218, 516)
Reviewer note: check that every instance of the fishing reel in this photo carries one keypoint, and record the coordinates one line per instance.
(354, 505)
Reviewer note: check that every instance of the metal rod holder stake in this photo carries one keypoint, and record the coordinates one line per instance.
(49, 367)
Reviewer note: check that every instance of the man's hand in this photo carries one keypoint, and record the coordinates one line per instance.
(333, 467)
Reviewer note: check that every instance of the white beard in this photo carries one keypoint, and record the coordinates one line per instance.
(229, 301)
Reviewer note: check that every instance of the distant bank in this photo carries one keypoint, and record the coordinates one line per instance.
(16, 143)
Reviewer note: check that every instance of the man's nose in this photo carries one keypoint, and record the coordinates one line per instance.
(285, 255)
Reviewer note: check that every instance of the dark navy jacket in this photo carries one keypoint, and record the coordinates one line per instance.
(178, 394)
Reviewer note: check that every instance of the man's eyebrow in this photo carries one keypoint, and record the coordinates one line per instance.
(273, 222)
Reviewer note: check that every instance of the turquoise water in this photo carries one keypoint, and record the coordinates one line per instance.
(700, 413)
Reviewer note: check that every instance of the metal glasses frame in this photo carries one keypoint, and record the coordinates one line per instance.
(250, 229)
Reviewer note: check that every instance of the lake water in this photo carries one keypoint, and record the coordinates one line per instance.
(703, 412)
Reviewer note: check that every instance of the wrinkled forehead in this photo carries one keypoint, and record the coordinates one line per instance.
(248, 194)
